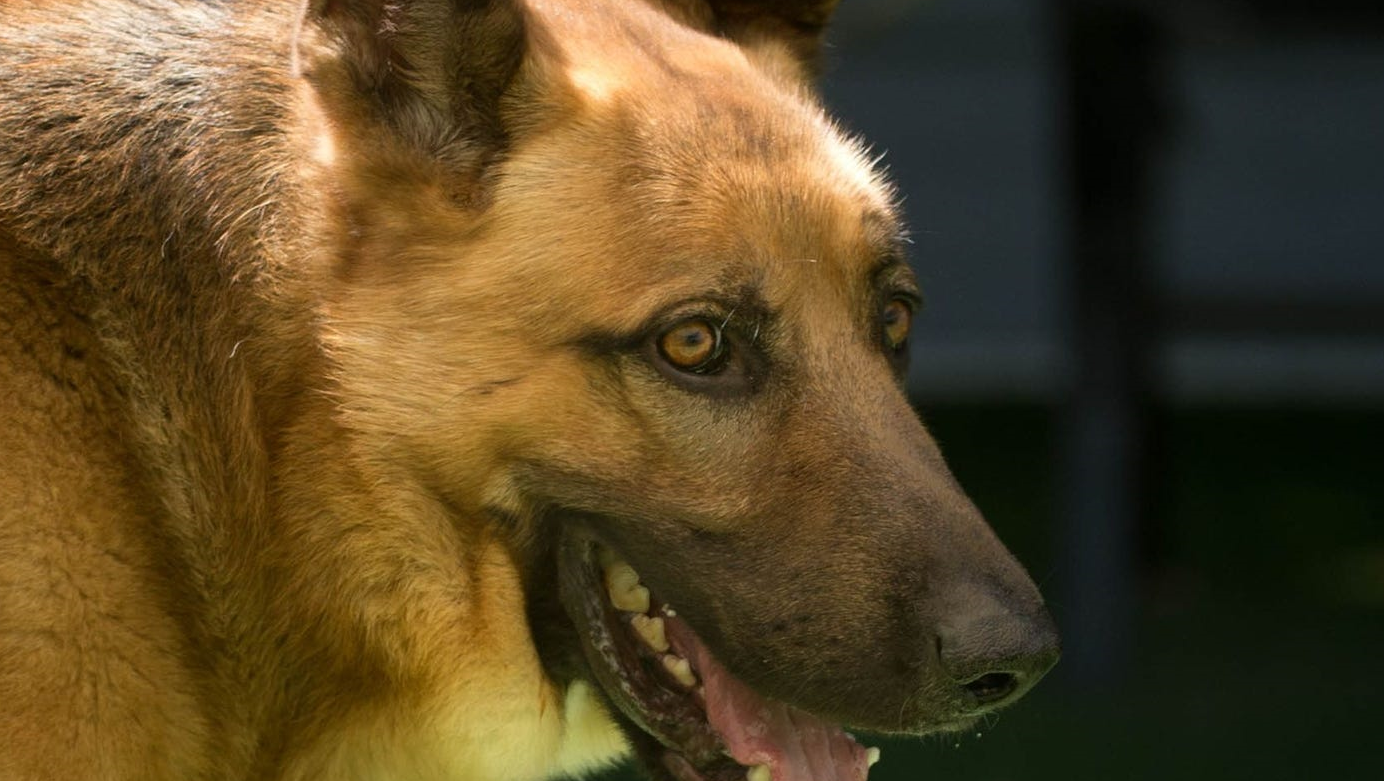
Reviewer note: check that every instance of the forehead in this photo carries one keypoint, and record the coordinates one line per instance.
(770, 180)
(735, 165)
(699, 161)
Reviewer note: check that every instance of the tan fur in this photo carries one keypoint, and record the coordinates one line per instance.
(296, 359)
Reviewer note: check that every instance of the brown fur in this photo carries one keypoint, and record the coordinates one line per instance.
(313, 335)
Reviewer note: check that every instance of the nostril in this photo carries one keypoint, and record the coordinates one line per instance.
(992, 653)
(991, 688)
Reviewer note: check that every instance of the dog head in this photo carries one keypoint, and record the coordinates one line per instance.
(613, 282)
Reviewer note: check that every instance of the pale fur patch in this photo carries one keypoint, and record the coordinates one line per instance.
(590, 739)
(473, 738)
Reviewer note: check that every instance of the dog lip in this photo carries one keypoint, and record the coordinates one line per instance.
(682, 770)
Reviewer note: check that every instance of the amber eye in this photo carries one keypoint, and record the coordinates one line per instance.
(693, 346)
(898, 319)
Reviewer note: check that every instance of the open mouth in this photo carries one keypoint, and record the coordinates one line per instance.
(701, 722)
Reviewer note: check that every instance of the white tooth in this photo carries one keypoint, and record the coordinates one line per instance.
(758, 773)
(680, 669)
(619, 575)
(650, 630)
(635, 600)
(622, 583)
(871, 756)
(668, 611)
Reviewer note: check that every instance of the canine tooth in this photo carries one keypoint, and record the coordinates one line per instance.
(650, 630)
(871, 756)
(680, 669)
(622, 583)
(758, 773)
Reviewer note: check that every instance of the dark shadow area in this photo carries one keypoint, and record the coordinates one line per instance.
(1259, 614)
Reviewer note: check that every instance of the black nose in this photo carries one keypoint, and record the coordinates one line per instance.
(994, 656)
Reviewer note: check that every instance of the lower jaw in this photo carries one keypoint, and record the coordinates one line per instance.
(669, 764)
(670, 713)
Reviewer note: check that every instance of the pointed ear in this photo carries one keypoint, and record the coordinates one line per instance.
(432, 72)
(797, 24)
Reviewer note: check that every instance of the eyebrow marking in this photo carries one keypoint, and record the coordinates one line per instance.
(885, 263)
(745, 299)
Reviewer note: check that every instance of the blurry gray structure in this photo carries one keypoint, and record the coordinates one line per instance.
(1122, 204)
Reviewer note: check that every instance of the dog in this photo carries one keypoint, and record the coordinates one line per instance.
(465, 389)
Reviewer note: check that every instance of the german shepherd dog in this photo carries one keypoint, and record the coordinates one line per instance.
(465, 389)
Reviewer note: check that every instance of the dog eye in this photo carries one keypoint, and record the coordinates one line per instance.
(694, 346)
(897, 319)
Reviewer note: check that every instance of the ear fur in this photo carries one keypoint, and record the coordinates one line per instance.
(431, 72)
(798, 24)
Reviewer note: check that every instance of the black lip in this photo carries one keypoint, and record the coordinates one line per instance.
(672, 719)
(663, 763)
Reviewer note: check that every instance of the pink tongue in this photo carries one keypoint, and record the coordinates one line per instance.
(758, 731)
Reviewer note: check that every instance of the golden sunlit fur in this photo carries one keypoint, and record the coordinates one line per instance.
(313, 318)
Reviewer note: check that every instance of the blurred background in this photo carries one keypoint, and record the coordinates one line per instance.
(1151, 239)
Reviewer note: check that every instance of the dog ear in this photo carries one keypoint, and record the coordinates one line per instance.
(433, 72)
(798, 24)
